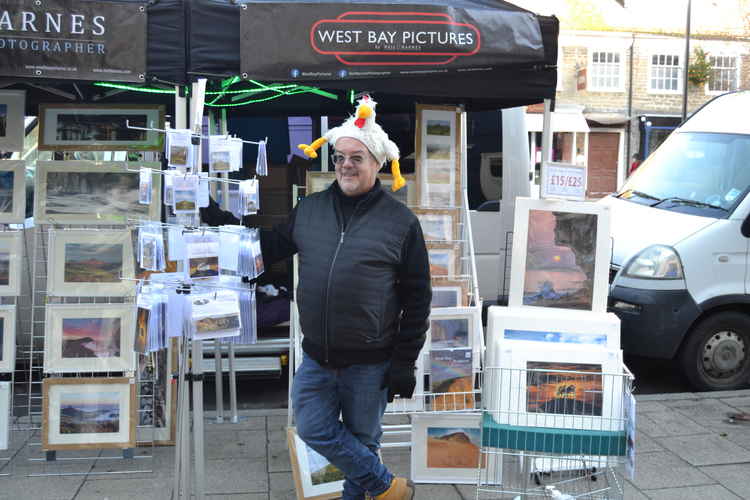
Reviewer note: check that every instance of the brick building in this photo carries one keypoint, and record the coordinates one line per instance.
(624, 74)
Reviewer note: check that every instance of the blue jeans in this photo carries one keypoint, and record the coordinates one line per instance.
(319, 396)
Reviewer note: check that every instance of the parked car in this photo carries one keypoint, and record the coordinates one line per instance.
(681, 235)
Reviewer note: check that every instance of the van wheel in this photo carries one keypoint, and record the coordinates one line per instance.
(716, 354)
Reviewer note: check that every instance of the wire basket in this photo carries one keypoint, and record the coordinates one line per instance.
(549, 432)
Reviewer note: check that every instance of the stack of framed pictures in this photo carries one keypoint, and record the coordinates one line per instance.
(439, 155)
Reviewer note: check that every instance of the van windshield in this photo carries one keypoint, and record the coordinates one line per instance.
(694, 172)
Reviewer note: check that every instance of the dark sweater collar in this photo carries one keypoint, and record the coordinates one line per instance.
(354, 200)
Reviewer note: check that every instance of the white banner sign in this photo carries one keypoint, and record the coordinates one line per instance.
(563, 180)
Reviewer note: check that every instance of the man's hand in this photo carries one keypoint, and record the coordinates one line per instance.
(400, 381)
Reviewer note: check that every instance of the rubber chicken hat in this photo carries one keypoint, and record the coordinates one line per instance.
(362, 127)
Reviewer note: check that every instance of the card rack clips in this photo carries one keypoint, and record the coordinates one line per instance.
(200, 136)
(75, 462)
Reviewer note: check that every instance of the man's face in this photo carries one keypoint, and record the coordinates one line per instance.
(357, 171)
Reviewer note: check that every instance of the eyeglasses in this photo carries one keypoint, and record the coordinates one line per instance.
(339, 159)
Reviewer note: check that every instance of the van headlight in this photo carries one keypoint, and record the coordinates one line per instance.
(658, 262)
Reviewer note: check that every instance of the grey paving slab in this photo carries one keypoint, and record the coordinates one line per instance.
(231, 443)
(281, 486)
(665, 397)
(668, 423)
(244, 422)
(632, 493)
(666, 470)
(398, 461)
(467, 491)
(737, 434)
(235, 475)
(276, 435)
(124, 489)
(739, 402)
(47, 488)
(722, 394)
(650, 406)
(437, 491)
(713, 492)
(278, 456)
(276, 422)
(733, 477)
(706, 450)
(645, 444)
(239, 496)
(704, 411)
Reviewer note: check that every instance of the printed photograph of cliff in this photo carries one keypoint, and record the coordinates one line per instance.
(560, 254)
(564, 393)
(453, 447)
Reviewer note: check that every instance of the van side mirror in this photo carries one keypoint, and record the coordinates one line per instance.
(745, 227)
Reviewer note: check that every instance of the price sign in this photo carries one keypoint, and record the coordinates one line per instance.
(563, 180)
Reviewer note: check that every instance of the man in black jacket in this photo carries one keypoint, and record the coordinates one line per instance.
(364, 299)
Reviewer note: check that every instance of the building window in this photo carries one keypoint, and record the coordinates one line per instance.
(606, 71)
(665, 73)
(723, 73)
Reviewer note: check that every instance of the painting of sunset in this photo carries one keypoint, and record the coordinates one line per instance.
(89, 412)
(564, 393)
(91, 337)
(93, 263)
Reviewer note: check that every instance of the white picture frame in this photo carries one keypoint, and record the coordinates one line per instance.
(12, 191)
(526, 390)
(12, 126)
(72, 254)
(5, 395)
(438, 224)
(438, 155)
(11, 262)
(7, 338)
(83, 397)
(58, 202)
(472, 316)
(446, 448)
(67, 328)
(542, 265)
(305, 463)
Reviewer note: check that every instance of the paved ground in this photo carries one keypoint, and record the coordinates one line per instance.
(685, 450)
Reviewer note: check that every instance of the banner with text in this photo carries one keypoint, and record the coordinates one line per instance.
(333, 41)
(73, 40)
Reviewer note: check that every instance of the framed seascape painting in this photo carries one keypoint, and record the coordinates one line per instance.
(446, 448)
(449, 293)
(438, 224)
(7, 338)
(12, 130)
(11, 259)
(95, 127)
(4, 415)
(445, 259)
(315, 478)
(157, 396)
(319, 181)
(562, 386)
(438, 155)
(561, 255)
(81, 338)
(88, 413)
(84, 192)
(89, 263)
(12, 191)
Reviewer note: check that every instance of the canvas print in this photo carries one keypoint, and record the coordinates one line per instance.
(564, 393)
(453, 447)
(560, 260)
(88, 413)
(93, 263)
(446, 333)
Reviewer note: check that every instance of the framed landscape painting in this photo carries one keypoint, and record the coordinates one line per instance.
(89, 263)
(84, 192)
(315, 478)
(438, 155)
(438, 224)
(446, 448)
(88, 413)
(561, 255)
(100, 127)
(81, 338)
(12, 191)
(11, 259)
(12, 130)
(7, 338)
(445, 259)
(449, 293)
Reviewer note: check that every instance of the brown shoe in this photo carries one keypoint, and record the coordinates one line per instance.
(400, 489)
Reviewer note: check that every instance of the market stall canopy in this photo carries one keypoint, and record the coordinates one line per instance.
(485, 54)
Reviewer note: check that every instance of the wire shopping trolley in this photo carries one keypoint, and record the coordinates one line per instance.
(556, 430)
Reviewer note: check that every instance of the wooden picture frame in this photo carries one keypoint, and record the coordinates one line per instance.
(304, 484)
(319, 181)
(12, 123)
(11, 262)
(561, 255)
(438, 154)
(100, 127)
(80, 394)
(72, 255)
(445, 259)
(439, 224)
(449, 293)
(79, 337)
(7, 339)
(12, 191)
(64, 191)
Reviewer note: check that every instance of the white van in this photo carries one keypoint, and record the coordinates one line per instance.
(681, 231)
